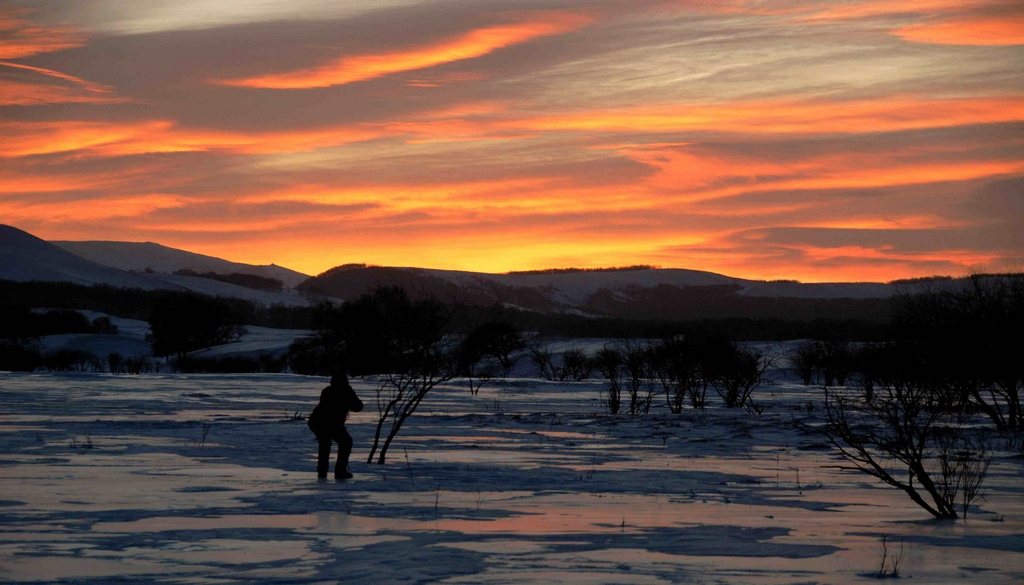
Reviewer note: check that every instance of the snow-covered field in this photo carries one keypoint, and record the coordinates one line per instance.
(186, 478)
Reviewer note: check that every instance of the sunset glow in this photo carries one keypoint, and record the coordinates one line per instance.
(840, 140)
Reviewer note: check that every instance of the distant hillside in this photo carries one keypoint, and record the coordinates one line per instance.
(25, 258)
(636, 293)
(138, 257)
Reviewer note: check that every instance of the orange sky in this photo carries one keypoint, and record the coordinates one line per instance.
(811, 140)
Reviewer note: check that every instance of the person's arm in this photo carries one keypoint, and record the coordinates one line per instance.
(354, 404)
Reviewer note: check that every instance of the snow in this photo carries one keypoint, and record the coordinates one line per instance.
(99, 345)
(24, 257)
(257, 341)
(217, 288)
(110, 477)
(576, 288)
(139, 256)
(130, 340)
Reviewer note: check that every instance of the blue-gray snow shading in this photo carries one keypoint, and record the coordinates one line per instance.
(184, 478)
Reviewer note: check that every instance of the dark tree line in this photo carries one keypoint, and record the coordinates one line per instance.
(185, 323)
(139, 304)
(23, 322)
(960, 338)
(682, 371)
(252, 281)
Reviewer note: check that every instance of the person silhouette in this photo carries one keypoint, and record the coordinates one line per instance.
(327, 421)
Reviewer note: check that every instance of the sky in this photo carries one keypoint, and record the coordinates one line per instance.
(818, 140)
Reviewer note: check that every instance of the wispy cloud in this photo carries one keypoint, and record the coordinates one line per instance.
(973, 30)
(810, 139)
(469, 45)
(20, 37)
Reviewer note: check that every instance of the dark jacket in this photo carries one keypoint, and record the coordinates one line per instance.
(335, 404)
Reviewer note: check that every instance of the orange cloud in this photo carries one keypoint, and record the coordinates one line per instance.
(690, 175)
(986, 31)
(19, 139)
(470, 45)
(789, 116)
(89, 209)
(835, 11)
(17, 93)
(455, 201)
(20, 37)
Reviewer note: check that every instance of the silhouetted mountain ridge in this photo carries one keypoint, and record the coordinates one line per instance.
(637, 292)
(140, 256)
(26, 258)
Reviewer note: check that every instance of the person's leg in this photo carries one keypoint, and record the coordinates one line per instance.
(323, 461)
(344, 450)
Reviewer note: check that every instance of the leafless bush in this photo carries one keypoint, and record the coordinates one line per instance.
(736, 371)
(543, 360)
(908, 438)
(486, 352)
(891, 563)
(575, 365)
(805, 359)
(139, 364)
(639, 383)
(836, 361)
(608, 362)
(399, 394)
(676, 364)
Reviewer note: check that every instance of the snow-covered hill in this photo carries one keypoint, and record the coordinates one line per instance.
(138, 256)
(643, 293)
(24, 258)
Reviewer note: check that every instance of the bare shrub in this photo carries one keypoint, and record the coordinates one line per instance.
(575, 366)
(419, 354)
(735, 371)
(806, 360)
(836, 361)
(639, 383)
(907, 436)
(543, 360)
(71, 360)
(676, 365)
(892, 562)
(608, 361)
(486, 353)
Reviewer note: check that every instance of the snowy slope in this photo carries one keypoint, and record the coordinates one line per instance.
(256, 341)
(24, 257)
(574, 288)
(631, 293)
(139, 256)
(217, 288)
(130, 340)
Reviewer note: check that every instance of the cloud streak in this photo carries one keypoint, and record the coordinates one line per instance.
(470, 45)
(863, 140)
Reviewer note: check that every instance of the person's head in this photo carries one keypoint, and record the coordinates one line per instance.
(339, 379)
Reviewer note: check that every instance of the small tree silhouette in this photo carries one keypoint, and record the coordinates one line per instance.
(183, 323)
(907, 436)
(608, 361)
